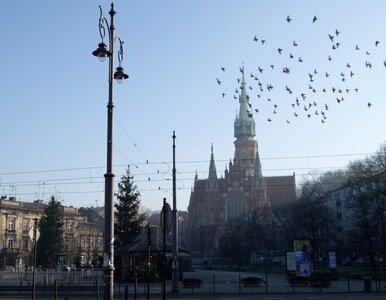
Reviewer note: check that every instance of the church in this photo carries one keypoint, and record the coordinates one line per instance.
(214, 202)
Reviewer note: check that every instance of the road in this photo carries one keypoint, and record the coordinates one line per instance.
(334, 296)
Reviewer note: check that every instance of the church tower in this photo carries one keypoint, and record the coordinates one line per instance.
(244, 132)
(217, 201)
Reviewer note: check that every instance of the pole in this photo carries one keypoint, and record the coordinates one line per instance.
(34, 260)
(164, 250)
(174, 224)
(148, 261)
(108, 241)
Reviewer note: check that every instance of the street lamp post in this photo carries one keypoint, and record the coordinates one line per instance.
(174, 224)
(108, 240)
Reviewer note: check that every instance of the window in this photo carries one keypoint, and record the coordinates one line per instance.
(11, 223)
(11, 244)
(83, 241)
(26, 244)
(25, 225)
(69, 228)
(69, 246)
(92, 242)
(83, 258)
(100, 243)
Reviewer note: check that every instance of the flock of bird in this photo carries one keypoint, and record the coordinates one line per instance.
(302, 102)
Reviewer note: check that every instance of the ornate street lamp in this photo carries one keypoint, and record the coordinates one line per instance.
(108, 240)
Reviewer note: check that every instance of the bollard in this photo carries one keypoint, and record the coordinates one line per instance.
(126, 292)
(56, 289)
(348, 282)
(239, 283)
(135, 289)
(97, 288)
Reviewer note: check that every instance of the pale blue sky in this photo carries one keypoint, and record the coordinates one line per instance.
(54, 92)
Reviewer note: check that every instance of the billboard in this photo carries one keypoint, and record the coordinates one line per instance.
(303, 257)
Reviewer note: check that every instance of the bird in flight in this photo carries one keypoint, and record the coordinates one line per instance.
(223, 69)
(286, 70)
(369, 105)
(255, 38)
(279, 50)
(314, 19)
(376, 43)
(295, 44)
(289, 19)
(218, 81)
(337, 32)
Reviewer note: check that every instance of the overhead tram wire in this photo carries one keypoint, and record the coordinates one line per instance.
(140, 152)
(185, 162)
(59, 180)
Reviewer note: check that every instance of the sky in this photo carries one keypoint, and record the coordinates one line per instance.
(54, 93)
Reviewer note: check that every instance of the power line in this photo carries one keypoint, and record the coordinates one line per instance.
(180, 162)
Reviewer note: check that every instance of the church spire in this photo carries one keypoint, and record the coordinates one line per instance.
(244, 124)
(212, 178)
(243, 100)
(258, 172)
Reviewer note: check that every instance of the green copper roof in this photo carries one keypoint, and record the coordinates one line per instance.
(244, 124)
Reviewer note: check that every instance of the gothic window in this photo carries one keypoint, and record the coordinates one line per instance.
(235, 206)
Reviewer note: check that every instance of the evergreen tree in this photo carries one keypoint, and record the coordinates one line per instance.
(127, 218)
(51, 234)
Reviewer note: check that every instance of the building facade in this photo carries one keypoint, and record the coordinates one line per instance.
(214, 202)
(82, 233)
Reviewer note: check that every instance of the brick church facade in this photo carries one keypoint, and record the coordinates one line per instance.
(214, 201)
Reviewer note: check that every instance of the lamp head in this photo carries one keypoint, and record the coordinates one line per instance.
(101, 52)
(119, 75)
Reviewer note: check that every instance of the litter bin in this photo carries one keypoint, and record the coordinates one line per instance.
(367, 284)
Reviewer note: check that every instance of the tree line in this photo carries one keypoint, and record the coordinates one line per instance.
(127, 225)
(342, 211)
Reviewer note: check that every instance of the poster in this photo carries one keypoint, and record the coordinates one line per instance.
(332, 259)
(303, 257)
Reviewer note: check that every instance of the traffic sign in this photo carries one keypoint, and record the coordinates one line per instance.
(31, 233)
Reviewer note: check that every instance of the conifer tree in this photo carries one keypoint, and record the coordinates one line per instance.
(50, 242)
(127, 217)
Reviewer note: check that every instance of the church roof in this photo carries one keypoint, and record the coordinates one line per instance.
(281, 189)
